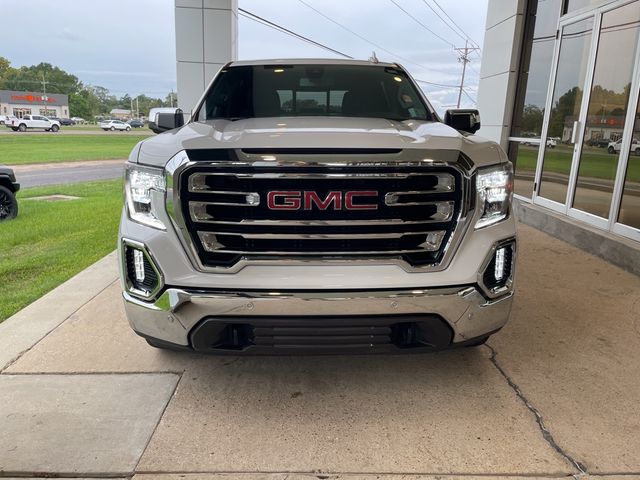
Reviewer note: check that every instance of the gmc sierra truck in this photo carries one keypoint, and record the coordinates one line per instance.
(317, 206)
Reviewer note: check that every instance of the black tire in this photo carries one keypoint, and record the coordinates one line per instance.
(47, 129)
(55, 128)
(22, 127)
(128, 129)
(15, 129)
(477, 343)
(611, 150)
(8, 204)
(112, 129)
(106, 129)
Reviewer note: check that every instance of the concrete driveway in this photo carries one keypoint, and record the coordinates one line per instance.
(555, 394)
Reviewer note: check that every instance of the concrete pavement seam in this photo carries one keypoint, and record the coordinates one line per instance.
(155, 428)
(19, 356)
(546, 434)
(329, 474)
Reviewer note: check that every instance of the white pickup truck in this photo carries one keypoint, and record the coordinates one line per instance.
(32, 122)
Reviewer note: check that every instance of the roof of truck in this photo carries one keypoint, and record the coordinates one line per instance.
(310, 61)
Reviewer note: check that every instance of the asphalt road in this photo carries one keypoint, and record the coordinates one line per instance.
(65, 173)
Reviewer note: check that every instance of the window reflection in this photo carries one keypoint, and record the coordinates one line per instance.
(630, 204)
(565, 108)
(607, 109)
(534, 81)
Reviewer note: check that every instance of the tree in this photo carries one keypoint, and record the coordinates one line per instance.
(532, 117)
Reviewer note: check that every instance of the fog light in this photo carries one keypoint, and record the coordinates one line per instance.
(433, 241)
(498, 271)
(142, 277)
(138, 262)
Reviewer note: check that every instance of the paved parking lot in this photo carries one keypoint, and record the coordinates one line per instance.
(554, 394)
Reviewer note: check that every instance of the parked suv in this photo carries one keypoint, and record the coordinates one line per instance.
(112, 125)
(317, 207)
(8, 189)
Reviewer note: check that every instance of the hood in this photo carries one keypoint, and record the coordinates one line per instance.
(317, 132)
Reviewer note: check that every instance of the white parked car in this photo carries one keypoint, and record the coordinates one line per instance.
(32, 122)
(614, 147)
(112, 125)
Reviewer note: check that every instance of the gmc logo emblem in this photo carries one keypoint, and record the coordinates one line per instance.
(307, 200)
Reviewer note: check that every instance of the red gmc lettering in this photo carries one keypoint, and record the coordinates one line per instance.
(290, 200)
(311, 198)
(349, 205)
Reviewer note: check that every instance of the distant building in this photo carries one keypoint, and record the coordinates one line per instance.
(120, 114)
(19, 104)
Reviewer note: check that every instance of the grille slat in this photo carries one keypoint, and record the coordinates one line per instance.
(336, 211)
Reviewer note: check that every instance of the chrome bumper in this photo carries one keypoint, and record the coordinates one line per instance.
(176, 312)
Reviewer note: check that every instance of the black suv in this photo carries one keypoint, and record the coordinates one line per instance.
(8, 189)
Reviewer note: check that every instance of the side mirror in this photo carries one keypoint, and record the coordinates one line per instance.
(165, 119)
(465, 120)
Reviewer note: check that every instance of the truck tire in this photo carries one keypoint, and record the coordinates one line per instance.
(8, 204)
(22, 127)
(15, 129)
(611, 150)
(55, 128)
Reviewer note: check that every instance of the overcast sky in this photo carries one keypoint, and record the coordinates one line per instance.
(128, 46)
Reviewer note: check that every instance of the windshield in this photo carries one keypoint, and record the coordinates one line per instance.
(313, 90)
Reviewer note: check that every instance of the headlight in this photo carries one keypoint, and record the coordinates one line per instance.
(495, 187)
(145, 189)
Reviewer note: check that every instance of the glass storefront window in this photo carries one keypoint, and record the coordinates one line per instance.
(607, 109)
(534, 82)
(630, 204)
(573, 62)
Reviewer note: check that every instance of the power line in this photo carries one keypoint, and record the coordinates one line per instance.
(474, 43)
(264, 21)
(423, 25)
(371, 42)
(443, 20)
(435, 84)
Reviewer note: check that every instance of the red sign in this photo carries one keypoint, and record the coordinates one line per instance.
(32, 98)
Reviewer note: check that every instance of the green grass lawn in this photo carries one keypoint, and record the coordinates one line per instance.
(595, 162)
(26, 149)
(49, 242)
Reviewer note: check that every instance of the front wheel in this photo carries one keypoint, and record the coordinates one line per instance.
(55, 128)
(128, 129)
(8, 204)
(113, 129)
(611, 150)
(22, 127)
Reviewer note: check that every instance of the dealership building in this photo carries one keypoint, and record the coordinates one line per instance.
(558, 90)
(19, 104)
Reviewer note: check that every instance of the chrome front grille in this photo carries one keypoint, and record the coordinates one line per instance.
(308, 211)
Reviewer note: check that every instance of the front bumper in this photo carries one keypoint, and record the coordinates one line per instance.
(284, 322)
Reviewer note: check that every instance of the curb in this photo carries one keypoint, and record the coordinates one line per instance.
(27, 327)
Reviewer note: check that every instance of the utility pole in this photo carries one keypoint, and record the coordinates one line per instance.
(464, 59)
